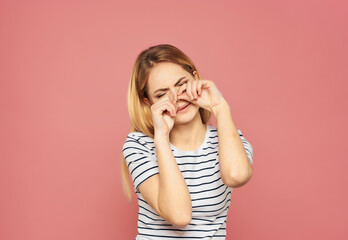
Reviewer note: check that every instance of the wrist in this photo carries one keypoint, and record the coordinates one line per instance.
(219, 107)
(159, 138)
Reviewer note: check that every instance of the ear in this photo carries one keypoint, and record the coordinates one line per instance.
(196, 75)
(147, 102)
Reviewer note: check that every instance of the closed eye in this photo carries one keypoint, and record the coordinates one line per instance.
(165, 93)
(183, 83)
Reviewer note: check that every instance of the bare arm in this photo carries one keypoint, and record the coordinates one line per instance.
(167, 191)
(235, 166)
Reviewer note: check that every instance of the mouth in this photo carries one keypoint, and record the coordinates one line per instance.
(182, 107)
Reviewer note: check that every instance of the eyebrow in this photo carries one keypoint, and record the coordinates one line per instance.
(164, 89)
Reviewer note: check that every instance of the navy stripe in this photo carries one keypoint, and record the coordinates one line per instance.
(210, 197)
(198, 170)
(153, 219)
(215, 209)
(181, 230)
(138, 166)
(208, 205)
(166, 236)
(191, 224)
(209, 175)
(146, 178)
(197, 163)
(207, 190)
(195, 155)
(196, 185)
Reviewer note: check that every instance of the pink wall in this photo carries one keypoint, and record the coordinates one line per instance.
(64, 71)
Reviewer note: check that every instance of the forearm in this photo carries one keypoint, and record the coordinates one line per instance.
(235, 167)
(174, 199)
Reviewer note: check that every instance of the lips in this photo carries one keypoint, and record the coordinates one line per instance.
(182, 107)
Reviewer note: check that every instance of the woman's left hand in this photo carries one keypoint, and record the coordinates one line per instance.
(202, 92)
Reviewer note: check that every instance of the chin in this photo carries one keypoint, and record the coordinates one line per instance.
(187, 116)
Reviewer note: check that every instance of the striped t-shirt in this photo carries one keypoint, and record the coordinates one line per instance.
(210, 197)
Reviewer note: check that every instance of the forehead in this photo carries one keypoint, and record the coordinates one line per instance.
(164, 74)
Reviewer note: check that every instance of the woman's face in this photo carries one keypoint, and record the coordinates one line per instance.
(165, 79)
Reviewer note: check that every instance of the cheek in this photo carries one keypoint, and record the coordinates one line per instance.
(194, 107)
(184, 97)
(153, 100)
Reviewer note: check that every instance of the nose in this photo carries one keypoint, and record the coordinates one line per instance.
(181, 94)
(174, 95)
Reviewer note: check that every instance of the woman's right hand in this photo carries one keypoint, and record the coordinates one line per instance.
(163, 115)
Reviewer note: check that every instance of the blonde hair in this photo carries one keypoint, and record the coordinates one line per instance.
(140, 113)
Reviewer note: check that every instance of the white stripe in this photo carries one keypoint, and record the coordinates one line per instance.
(210, 197)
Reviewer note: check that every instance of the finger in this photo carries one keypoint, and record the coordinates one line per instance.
(160, 102)
(182, 93)
(166, 106)
(164, 99)
(194, 89)
(206, 83)
(173, 95)
(199, 87)
(181, 89)
(170, 107)
(173, 101)
(188, 90)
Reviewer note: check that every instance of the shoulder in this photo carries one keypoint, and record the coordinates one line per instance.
(138, 139)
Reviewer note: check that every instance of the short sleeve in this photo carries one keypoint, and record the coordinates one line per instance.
(247, 146)
(140, 160)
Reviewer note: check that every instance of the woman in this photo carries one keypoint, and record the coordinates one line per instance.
(183, 169)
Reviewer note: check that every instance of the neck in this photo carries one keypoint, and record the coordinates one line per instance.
(188, 136)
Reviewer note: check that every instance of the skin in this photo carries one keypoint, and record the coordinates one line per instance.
(167, 191)
(188, 131)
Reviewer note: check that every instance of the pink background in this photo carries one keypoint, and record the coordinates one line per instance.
(64, 71)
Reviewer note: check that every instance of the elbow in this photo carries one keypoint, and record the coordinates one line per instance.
(238, 179)
(177, 218)
(181, 221)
